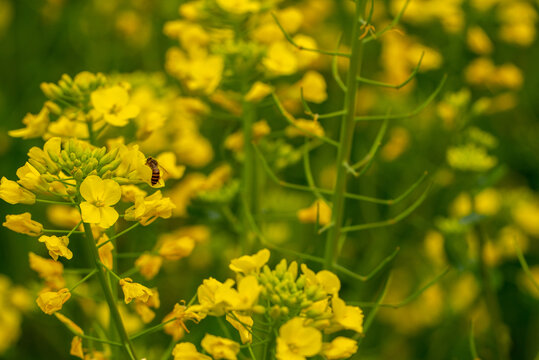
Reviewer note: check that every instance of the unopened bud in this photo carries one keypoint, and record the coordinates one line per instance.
(53, 107)
(107, 158)
(110, 167)
(78, 175)
(275, 312)
(259, 309)
(38, 166)
(90, 165)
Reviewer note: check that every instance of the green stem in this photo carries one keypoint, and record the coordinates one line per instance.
(83, 280)
(119, 234)
(53, 202)
(248, 171)
(69, 232)
(346, 138)
(114, 312)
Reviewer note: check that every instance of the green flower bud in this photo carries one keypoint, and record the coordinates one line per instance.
(77, 162)
(311, 291)
(259, 309)
(110, 167)
(53, 107)
(276, 298)
(72, 156)
(67, 161)
(285, 311)
(305, 304)
(107, 158)
(275, 312)
(66, 88)
(71, 190)
(67, 79)
(280, 269)
(48, 178)
(300, 283)
(90, 165)
(78, 175)
(319, 295)
(120, 180)
(38, 166)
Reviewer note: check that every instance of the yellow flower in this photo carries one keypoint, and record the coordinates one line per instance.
(36, 125)
(242, 323)
(57, 246)
(487, 202)
(51, 301)
(13, 193)
(319, 212)
(130, 193)
(63, 216)
(478, 41)
(134, 291)
(297, 341)
(143, 308)
(314, 87)
(175, 248)
(238, 6)
(167, 161)
(235, 141)
(258, 91)
(193, 149)
(76, 347)
(182, 314)
(67, 128)
(23, 224)
(30, 178)
(105, 252)
(220, 348)
(147, 210)
(207, 296)
(248, 264)
(100, 195)
(112, 104)
(526, 214)
(340, 348)
(303, 127)
(149, 265)
(280, 59)
(242, 299)
(188, 351)
(47, 269)
(345, 316)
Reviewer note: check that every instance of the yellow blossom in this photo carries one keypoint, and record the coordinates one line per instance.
(134, 291)
(23, 224)
(244, 298)
(519, 33)
(220, 348)
(200, 233)
(239, 6)
(149, 265)
(217, 178)
(297, 341)
(147, 209)
(188, 351)
(313, 86)
(526, 215)
(52, 301)
(112, 104)
(345, 316)
(105, 251)
(258, 91)
(36, 125)
(76, 347)
(207, 296)
(280, 59)
(304, 127)
(242, 323)
(478, 41)
(100, 196)
(57, 246)
(47, 269)
(181, 314)
(193, 149)
(339, 348)
(175, 248)
(13, 193)
(63, 216)
(67, 128)
(248, 264)
(143, 308)
(487, 202)
(130, 192)
(30, 178)
(167, 161)
(319, 212)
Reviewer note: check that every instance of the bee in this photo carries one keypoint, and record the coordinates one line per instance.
(154, 165)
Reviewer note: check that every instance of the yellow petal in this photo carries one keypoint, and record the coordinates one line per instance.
(108, 216)
(91, 188)
(111, 192)
(90, 213)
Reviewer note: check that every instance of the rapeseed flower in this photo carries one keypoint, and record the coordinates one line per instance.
(175, 248)
(345, 316)
(100, 196)
(248, 264)
(135, 291)
(220, 348)
(147, 209)
(297, 341)
(23, 224)
(188, 351)
(319, 212)
(36, 125)
(149, 265)
(51, 301)
(49, 270)
(113, 105)
(57, 246)
(339, 348)
(13, 193)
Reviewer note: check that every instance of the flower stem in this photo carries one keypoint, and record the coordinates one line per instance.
(114, 313)
(345, 140)
(249, 168)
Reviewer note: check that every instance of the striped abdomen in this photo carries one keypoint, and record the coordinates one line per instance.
(155, 175)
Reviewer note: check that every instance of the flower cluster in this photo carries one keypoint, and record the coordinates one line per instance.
(300, 307)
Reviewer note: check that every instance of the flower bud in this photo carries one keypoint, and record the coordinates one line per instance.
(78, 175)
(48, 178)
(53, 107)
(284, 311)
(275, 298)
(53, 156)
(66, 78)
(38, 166)
(90, 165)
(275, 312)
(107, 158)
(110, 167)
(305, 303)
(259, 309)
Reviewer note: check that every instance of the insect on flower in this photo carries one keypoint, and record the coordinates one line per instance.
(154, 165)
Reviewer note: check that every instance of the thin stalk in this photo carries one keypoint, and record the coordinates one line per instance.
(109, 297)
(249, 168)
(346, 138)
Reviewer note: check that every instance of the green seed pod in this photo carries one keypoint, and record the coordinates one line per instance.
(38, 166)
(110, 156)
(78, 175)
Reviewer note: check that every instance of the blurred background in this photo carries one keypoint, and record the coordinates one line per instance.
(478, 141)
